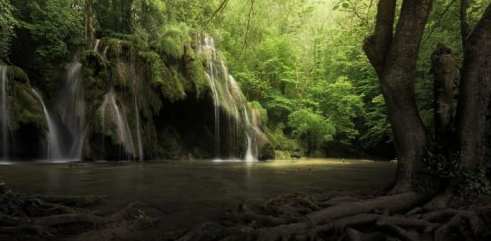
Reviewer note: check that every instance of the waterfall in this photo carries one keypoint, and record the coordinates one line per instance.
(110, 111)
(249, 156)
(96, 45)
(72, 109)
(4, 111)
(138, 130)
(208, 47)
(54, 147)
(67, 131)
(226, 95)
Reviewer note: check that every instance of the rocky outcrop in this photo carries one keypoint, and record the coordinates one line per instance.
(128, 100)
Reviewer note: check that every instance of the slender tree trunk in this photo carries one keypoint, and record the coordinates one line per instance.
(443, 69)
(394, 58)
(464, 25)
(89, 30)
(474, 95)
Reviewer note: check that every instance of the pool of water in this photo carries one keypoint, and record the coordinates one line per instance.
(194, 191)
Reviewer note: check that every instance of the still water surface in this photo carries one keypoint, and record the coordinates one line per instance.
(195, 191)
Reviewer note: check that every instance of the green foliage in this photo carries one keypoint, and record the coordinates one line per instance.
(172, 85)
(154, 66)
(342, 105)
(7, 24)
(172, 40)
(280, 141)
(53, 25)
(377, 124)
(196, 72)
(311, 126)
(263, 113)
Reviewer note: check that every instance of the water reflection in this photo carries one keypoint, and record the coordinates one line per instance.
(194, 191)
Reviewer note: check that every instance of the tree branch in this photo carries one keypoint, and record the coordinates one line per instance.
(244, 45)
(222, 6)
(376, 46)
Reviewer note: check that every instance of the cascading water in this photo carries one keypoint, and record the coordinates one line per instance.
(226, 94)
(72, 109)
(4, 111)
(54, 146)
(249, 156)
(96, 45)
(138, 131)
(66, 131)
(137, 112)
(208, 47)
(110, 111)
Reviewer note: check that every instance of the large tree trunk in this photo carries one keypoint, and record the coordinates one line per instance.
(394, 59)
(89, 30)
(443, 70)
(474, 95)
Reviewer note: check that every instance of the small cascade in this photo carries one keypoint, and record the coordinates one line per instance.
(226, 95)
(249, 157)
(138, 131)
(208, 47)
(110, 111)
(96, 45)
(104, 53)
(4, 112)
(54, 143)
(72, 109)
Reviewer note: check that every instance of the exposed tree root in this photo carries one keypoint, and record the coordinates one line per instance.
(24, 217)
(400, 217)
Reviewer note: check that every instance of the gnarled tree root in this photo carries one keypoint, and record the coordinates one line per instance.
(43, 226)
(396, 217)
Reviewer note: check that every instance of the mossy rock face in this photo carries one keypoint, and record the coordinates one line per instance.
(18, 75)
(260, 113)
(25, 108)
(173, 39)
(161, 90)
(196, 74)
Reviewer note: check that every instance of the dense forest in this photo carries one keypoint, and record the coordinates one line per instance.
(300, 63)
(407, 81)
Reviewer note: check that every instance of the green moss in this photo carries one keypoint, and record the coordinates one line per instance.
(25, 108)
(121, 75)
(261, 112)
(197, 74)
(172, 85)
(154, 66)
(172, 40)
(17, 74)
(119, 50)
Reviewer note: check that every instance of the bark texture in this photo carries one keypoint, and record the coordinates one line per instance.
(394, 57)
(443, 70)
(474, 95)
(89, 30)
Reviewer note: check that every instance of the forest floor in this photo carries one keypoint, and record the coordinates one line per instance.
(321, 215)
